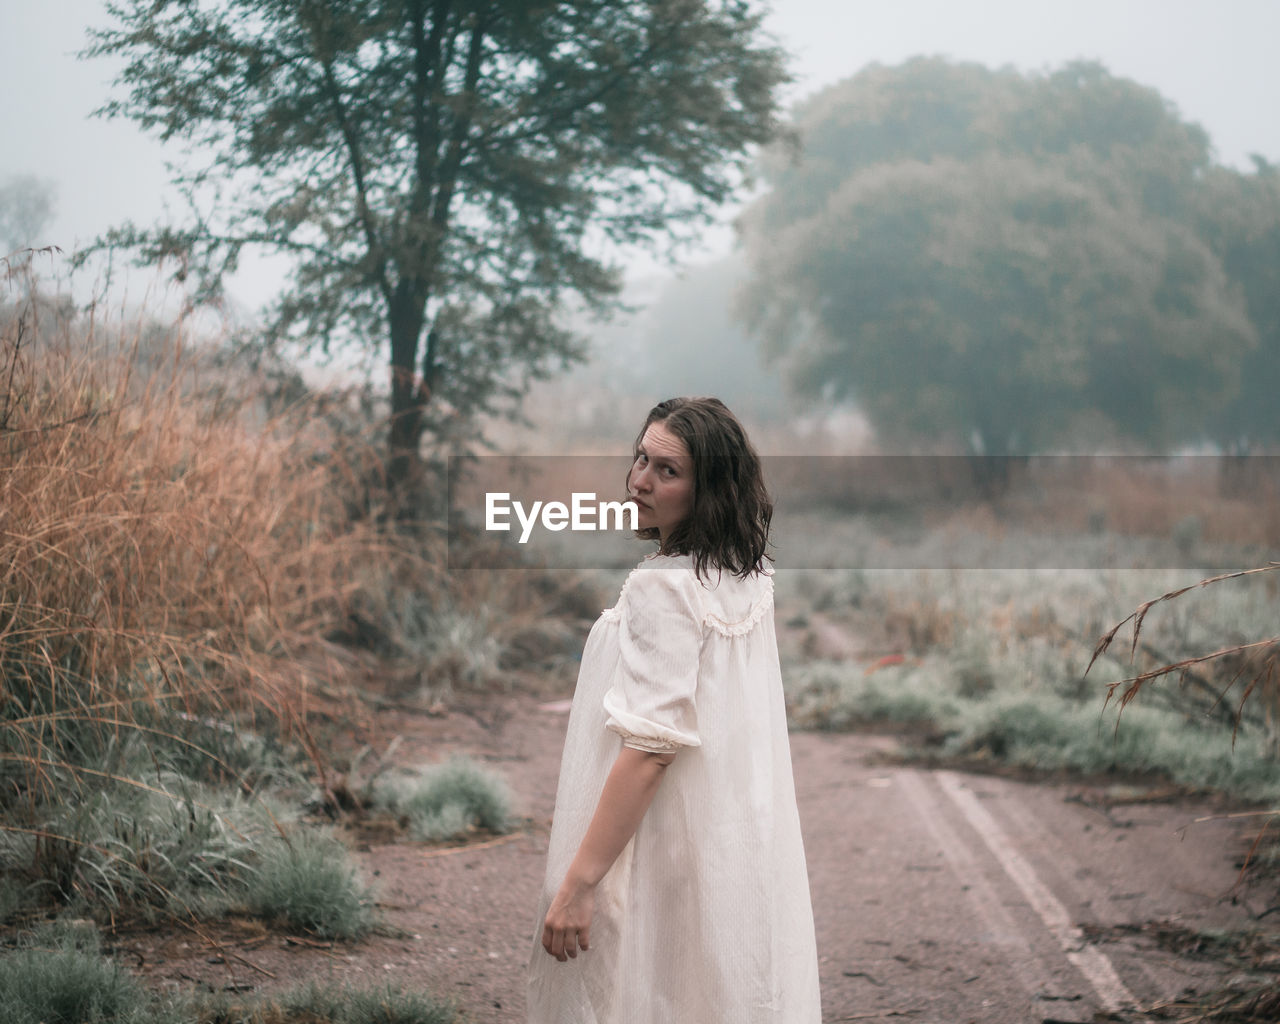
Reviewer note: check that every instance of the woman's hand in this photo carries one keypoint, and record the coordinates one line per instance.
(568, 923)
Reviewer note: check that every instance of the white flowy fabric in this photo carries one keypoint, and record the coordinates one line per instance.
(705, 917)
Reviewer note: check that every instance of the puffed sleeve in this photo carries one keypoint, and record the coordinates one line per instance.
(652, 703)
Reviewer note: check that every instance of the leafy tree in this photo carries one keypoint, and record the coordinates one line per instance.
(446, 173)
(1009, 263)
(1239, 216)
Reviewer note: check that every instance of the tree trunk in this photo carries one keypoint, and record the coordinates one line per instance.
(994, 475)
(404, 459)
(1236, 471)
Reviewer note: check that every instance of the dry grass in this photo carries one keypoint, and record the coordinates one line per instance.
(1255, 663)
(193, 569)
(1190, 499)
(170, 553)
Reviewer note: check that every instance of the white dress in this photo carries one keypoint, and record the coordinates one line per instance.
(705, 917)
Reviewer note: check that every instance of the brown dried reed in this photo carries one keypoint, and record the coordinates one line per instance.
(161, 546)
(1258, 660)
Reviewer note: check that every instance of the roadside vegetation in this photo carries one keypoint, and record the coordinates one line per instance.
(989, 667)
(200, 581)
(58, 975)
(448, 800)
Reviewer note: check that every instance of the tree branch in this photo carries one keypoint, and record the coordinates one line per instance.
(428, 47)
(461, 127)
(378, 273)
(553, 119)
(289, 244)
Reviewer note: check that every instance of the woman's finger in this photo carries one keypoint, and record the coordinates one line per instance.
(553, 941)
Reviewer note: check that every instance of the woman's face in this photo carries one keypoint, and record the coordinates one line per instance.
(661, 481)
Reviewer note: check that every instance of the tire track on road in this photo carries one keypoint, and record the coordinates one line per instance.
(1029, 968)
(917, 915)
(1091, 962)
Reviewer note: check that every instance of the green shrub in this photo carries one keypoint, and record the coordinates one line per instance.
(210, 748)
(996, 667)
(1046, 732)
(972, 665)
(1032, 714)
(309, 883)
(839, 695)
(60, 977)
(316, 1003)
(385, 1005)
(455, 647)
(168, 843)
(448, 799)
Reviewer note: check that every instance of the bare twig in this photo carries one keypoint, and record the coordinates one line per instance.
(469, 847)
(221, 949)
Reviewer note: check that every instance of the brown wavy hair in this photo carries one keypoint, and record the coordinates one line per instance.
(728, 527)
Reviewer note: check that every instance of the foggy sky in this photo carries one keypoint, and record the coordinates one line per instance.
(1214, 59)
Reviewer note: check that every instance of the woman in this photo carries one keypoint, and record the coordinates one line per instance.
(676, 890)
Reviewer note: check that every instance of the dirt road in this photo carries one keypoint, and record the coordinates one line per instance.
(947, 897)
(939, 897)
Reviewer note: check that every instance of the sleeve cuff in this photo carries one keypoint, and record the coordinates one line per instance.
(643, 734)
(648, 745)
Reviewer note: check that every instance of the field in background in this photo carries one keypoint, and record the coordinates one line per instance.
(962, 599)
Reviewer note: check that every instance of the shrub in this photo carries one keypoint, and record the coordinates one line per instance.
(838, 695)
(1019, 700)
(448, 799)
(480, 634)
(1006, 679)
(309, 883)
(168, 550)
(177, 559)
(1047, 732)
(139, 840)
(60, 977)
(384, 1005)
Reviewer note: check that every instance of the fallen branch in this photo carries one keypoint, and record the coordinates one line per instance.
(467, 848)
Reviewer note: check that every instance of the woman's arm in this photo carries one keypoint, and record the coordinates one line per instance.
(626, 796)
